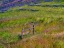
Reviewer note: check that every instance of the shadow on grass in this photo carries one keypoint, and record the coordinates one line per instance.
(32, 10)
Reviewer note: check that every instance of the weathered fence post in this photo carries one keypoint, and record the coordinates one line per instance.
(21, 35)
(33, 28)
(22, 32)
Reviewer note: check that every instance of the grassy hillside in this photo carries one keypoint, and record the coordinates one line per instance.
(48, 22)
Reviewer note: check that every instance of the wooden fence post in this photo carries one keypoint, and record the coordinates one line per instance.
(22, 32)
(33, 28)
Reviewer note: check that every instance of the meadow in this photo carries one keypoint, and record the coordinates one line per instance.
(47, 20)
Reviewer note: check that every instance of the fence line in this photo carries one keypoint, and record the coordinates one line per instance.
(24, 31)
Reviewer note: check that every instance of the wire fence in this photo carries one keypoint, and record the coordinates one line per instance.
(30, 30)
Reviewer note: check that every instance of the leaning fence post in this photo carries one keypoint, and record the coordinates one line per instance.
(22, 32)
(21, 35)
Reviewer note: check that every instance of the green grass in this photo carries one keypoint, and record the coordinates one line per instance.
(19, 17)
(46, 18)
(7, 37)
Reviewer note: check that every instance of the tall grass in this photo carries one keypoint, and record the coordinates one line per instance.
(47, 19)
